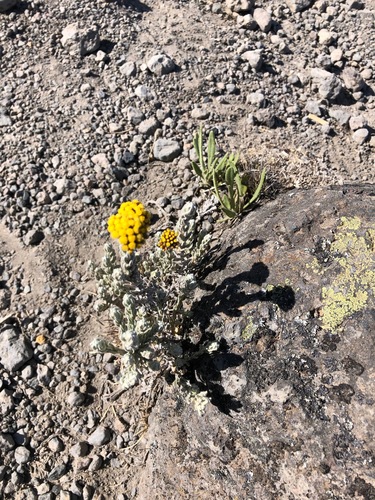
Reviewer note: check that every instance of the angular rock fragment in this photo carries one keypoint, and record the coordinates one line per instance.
(166, 149)
(83, 41)
(15, 349)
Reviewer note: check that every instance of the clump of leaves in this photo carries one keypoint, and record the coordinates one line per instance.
(225, 177)
(209, 163)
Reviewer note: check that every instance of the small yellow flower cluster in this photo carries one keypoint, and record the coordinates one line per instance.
(130, 225)
(168, 239)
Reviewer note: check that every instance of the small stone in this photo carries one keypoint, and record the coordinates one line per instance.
(254, 58)
(266, 117)
(326, 37)
(200, 113)
(357, 122)
(128, 69)
(5, 297)
(329, 85)
(22, 455)
(298, 5)
(7, 4)
(352, 79)
(57, 472)
(366, 74)
(263, 19)
(96, 463)
(80, 449)
(33, 237)
(61, 185)
(6, 442)
(239, 6)
(144, 93)
(76, 399)
(43, 374)
(336, 55)
(6, 402)
(340, 116)
(166, 149)
(15, 349)
(256, 99)
(247, 22)
(114, 127)
(83, 41)
(161, 64)
(55, 444)
(5, 120)
(361, 135)
(100, 436)
(101, 161)
(135, 116)
(148, 127)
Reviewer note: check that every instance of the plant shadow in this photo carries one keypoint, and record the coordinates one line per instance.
(229, 298)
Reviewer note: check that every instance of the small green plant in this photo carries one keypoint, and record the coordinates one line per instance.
(223, 174)
(148, 296)
(232, 194)
(210, 164)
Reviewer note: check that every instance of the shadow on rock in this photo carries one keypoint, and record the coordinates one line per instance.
(205, 372)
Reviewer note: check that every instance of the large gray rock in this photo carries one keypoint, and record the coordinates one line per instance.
(83, 41)
(7, 4)
(291, 294)
(161, 64)
(166, 149)
(15, 349)
(329, 84)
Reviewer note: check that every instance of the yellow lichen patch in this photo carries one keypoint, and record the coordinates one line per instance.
(350, 290)
(130, 225)
(314, 266)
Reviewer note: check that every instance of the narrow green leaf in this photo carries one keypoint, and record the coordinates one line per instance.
(211, 150)
(196, 169)
(258, 189)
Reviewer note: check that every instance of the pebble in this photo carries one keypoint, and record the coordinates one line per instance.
(263, 19)
(80, 449)
(239, 6)
(298, 5)
(254, 58)
(15, 349)
(166, 150)
(361, 135)
(148, 127)
(200, 113)
(100, 436)
(22, 455)
(357, 122)
(161, 64)
(55, 445)
(128, 69)
(352, 79)
(33, 237)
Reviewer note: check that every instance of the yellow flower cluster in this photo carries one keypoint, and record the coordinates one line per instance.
(168, 239)
(130, 225)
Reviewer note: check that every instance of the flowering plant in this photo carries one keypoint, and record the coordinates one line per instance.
(148, 296)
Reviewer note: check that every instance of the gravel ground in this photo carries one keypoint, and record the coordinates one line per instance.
(99, 102)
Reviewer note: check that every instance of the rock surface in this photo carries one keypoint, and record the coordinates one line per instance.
(293, 404)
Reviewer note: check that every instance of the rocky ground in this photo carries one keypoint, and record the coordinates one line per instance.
(99, 102)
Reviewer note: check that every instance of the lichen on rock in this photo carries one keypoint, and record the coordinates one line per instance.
(353, 251)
